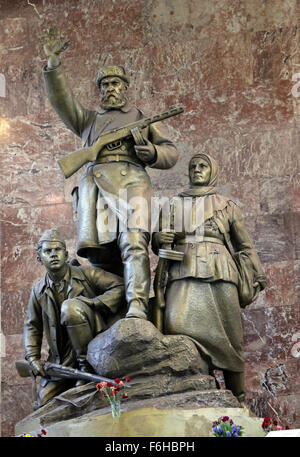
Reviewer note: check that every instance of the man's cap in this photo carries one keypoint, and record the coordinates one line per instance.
(51, 235)
(112, 70)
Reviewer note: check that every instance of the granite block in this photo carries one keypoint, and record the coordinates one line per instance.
(13, 310)
(273, 52)
(20, 393)
(280, 289)
(274, 237)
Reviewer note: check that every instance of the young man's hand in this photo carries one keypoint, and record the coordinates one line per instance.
(38, 367)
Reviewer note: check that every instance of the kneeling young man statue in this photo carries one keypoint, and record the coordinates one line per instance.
(71, 305)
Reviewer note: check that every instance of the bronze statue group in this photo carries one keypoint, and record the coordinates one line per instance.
(218, 274)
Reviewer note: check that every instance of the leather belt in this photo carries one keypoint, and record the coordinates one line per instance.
(193, 239)
(108, 158)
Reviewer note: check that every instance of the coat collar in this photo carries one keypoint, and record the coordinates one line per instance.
(74, 272)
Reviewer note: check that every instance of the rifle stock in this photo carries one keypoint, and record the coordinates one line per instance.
(23, 368)
(74, 161)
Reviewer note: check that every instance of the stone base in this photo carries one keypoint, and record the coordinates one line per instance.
(147, 422)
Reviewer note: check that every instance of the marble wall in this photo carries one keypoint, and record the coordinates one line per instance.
(231, 64)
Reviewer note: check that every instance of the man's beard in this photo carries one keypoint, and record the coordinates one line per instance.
(113, 101)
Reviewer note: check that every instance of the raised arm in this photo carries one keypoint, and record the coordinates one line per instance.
(61, 97)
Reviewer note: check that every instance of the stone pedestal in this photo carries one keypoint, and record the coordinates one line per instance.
(146, 422)
(170, 394)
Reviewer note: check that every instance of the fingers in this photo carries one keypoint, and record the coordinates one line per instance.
(65, 45)
(166, 237)
(145, 152)
(141, 148)
(47, 35)
(37, 368)
(145, 156)
(148, 146)
(52, 40)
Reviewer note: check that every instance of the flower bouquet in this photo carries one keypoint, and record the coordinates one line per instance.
(270, 425)
(225, 427)
(114, 394)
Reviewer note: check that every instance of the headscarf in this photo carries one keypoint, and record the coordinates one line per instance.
(213, 201)
(210, 188)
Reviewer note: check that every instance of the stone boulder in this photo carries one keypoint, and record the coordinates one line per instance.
(135, 347)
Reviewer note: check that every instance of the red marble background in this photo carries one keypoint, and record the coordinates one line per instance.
(231, 65)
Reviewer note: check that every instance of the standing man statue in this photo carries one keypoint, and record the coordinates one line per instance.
(71, 305)
(120, 167)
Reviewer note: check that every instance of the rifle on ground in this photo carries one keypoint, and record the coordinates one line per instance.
(72, 162)
(54, 371)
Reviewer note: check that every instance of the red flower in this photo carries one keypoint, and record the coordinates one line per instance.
(118, 388)
(231, 421)
(125, 396)
(267, 421)
(287, 427)
(275, 422)
(117, 380)
(44, 431)
(225, 418)
(39, 436)
(100, 385)
(127, 379)
(109, 384)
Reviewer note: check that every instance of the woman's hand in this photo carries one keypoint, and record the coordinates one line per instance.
(165, 237)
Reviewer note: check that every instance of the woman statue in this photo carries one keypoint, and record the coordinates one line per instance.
(206, 290)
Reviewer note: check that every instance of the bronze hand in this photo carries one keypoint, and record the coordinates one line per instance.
(53, 45)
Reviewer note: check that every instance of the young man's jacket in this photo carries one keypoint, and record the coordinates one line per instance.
(43, 315)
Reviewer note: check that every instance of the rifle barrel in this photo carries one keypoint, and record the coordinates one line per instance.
(62, 371)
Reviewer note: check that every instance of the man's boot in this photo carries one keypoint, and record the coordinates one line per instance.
(80, 335)
(134, 253)
(137, 309)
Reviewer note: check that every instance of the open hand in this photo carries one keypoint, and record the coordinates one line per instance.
(53, 45)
